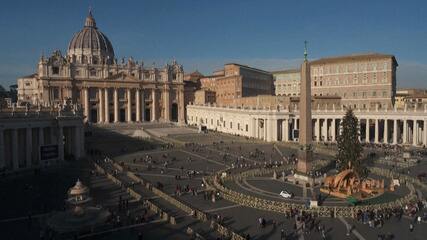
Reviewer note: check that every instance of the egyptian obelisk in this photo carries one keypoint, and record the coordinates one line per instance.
(305, 153)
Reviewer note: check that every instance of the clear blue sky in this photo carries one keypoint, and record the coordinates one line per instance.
(205, 34)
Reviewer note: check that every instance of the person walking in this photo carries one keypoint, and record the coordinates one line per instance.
(411, 227)
(282, 234)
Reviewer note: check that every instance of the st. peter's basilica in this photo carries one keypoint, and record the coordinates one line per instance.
(108, 90)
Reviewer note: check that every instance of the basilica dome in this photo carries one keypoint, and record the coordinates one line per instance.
(90, 45)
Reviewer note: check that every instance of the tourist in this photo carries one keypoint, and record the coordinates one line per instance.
(282, 234)
(411, 227)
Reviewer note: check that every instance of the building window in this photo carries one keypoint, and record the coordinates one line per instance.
(92, 72)
(374, 93)
(247, 128)
(55, 70)
(231, 125)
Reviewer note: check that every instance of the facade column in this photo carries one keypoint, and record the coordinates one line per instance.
(405, 132)
(367, 137)
(28, 146)
(138, 105)
(2, 154)
(385, 130)
(142, 105)
(377, 133)
(153, 105)
(166, 103)
(395, 135)
(334, 137)
(107, 106)
(15, 163)
(100, 106)
(129, 105)
(61, 143)
(116, 105)
(181, 105)
(415, 133)
(86, 104)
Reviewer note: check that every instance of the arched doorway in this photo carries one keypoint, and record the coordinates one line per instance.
(174, 112)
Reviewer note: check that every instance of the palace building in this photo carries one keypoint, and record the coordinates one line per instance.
(361, 80)
(108, 90)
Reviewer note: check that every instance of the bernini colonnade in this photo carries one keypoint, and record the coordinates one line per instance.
(376, 126)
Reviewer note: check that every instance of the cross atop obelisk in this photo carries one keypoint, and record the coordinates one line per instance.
(305, 50)
(305, 155)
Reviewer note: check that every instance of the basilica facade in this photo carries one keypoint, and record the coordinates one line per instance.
(108, 90)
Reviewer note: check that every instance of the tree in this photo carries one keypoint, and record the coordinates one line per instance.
(349, 147)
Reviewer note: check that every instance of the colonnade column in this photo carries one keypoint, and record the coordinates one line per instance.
(129, 105)
(359, 125)
(138, 105)
(324, 130)
(285, 135)
(367, 137)
(61, 142)
(153, 105)
(2, 159)
(295, 126)
(100, 106)
(424, 136)
(415, 133)
(15, 163)
(116, 105)
(334, 137)
(107, 106)
(316, 129)
(405, 132)
(41, 141)
(265, 129)
(86, 104)
(377, 137)
(273, 130)
(395, 135)
(142, 105)
(385, 131)
(28, 146)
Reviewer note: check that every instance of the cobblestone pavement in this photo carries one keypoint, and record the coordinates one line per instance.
(40, 194)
